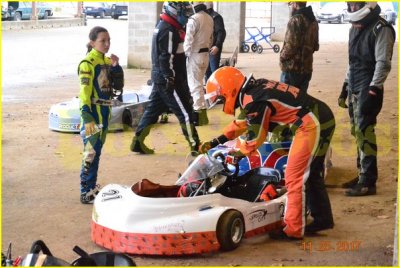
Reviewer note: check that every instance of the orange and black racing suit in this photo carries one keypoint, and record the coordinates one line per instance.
(266, 103)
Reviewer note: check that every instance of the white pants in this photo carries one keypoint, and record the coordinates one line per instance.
(196, 66)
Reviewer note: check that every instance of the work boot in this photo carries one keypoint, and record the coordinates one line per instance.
(351, 183)
(202, 118)
(164, 118)
(361, 190)
(315, 227)
(138, 146)
(281, 235)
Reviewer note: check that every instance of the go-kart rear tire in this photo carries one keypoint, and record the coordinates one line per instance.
(230, 230)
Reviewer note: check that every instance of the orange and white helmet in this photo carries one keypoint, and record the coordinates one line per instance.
(225, 84)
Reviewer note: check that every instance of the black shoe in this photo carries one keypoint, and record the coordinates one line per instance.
(351, 183)
(361, 190)
(140, 147)
(281, 235)
(315, 227)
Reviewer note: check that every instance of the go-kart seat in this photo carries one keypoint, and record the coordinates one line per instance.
(251, 184)
(147, 188)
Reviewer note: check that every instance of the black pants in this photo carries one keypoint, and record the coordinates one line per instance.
(363, 129)
(178, 102)
(316, 194)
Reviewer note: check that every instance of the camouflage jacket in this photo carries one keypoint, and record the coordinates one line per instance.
(301, 40)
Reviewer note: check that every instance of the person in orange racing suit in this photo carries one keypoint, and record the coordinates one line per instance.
(263, 103)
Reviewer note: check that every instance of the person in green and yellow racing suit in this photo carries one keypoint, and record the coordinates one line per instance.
(100, 77)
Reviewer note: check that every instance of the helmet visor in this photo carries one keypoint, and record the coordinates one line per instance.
(354, 6)
(213, 98)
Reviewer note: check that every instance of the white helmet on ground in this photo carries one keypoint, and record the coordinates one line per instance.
(364, 9)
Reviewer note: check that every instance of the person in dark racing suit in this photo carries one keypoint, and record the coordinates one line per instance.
(169, 77)
(371, 43)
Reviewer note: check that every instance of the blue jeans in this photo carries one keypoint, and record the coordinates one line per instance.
(213, 65)
(300, 81)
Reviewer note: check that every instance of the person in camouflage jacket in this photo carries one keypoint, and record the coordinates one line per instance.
(301, 41)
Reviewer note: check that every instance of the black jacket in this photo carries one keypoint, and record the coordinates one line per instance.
(219, 29)
(167, 61)
(362, 42)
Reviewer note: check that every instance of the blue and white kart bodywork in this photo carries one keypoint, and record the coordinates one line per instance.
(272, 155)
(212, 206)
(66, 116)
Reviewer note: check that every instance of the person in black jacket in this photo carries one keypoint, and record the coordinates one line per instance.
(371, 41)
(168, 75)
(219, 38)
(301, 41)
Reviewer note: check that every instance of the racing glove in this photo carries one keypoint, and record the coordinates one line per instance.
(234, 156)
(90, 128)
(373, 101)
(269, 193)
(170, 85)
(117, 78)
(204, 147)
(343, 96)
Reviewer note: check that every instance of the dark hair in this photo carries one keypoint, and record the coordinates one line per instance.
(94, 32)
(302, 4)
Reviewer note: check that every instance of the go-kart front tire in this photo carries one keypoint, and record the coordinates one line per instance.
(126, 120)
(230, 230)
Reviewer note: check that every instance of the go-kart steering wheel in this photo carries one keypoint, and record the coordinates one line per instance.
(227, 171)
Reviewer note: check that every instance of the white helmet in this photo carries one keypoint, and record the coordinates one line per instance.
(366, 8)
(209, 5)
(199, 6)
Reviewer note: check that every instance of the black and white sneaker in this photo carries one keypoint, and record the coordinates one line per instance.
(88, 198)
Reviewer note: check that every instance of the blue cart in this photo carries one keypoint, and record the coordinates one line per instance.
(256, 36)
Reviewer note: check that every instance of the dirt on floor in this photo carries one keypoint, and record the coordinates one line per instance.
(40, 175)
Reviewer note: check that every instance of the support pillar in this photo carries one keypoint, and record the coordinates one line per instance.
(142, 19)
(280, 18)
(234, 15)
(34, 14)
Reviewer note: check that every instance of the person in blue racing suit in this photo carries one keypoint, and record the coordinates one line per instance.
(99, 77)
(168, 75)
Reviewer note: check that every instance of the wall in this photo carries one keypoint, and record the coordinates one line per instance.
(38, 24)
(143, 17)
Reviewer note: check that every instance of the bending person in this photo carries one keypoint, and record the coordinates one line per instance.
(263, 102)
